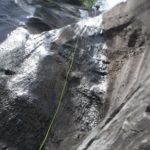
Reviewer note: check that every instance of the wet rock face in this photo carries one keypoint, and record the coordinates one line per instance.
(106, 104)
(126, 125)
(85, 103)
(10, 18)
(24, 92)
(57, 15)
(46, 15)
(33, 70)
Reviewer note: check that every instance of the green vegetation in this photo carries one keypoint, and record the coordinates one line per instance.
(48, 1)
(88, 3)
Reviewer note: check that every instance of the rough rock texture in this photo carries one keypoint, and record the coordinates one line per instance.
(126, 126)
(10, 18)
(33, 69)
(51, 15)
(106, 104)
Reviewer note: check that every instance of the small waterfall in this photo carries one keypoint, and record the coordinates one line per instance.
(39, 63)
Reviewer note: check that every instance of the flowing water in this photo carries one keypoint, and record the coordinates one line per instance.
(11, 17)
(24, 53)
(14, 13)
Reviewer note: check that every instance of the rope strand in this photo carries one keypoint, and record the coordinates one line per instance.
(60, 99)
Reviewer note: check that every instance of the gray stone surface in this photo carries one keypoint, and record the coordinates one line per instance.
(106, 104)
(126, 125)
(33, 69)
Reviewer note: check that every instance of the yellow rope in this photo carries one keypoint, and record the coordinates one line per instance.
(61, 97)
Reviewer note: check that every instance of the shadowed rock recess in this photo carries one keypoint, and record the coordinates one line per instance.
(106, 105)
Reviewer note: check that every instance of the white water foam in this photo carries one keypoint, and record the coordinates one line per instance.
(112, 3)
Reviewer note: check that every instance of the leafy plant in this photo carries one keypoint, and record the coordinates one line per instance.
(88, 3)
